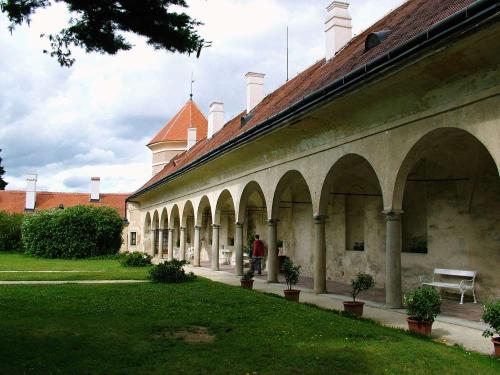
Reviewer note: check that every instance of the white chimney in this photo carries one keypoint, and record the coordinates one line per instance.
(215, 118)
(191, 137)
(94, 189)
(255, 89)
(338, 27)
(30, 191)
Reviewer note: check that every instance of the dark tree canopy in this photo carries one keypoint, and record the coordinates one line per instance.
(3, 184)
(98, 25)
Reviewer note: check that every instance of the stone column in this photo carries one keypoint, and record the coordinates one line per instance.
(319, 254)
(272, 251)
(238, 247)
(196, 260)
(182, 243)
(393, 292)
(160, 243)
(170, 244)
(215, 247)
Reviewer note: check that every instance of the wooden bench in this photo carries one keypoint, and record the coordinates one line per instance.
(466, 283)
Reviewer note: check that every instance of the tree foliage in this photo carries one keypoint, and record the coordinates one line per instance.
(3, 184)
(74, 232)
(10, 231)
(98, 25)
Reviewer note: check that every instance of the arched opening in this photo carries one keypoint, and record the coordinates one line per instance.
(156, 232)
(204, 221)
(147, 234)
(355, 228)
(164, 231)
(188, 225)
(293, 212)
(225, 217)
(449, 189)
(174, 226)
(252, 214)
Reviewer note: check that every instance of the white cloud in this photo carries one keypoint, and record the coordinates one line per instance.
(95, 118)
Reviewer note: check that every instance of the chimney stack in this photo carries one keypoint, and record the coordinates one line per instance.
(94, 189)
(30, 192)
(255, 89)
(191, 138)
(215, 118)
(338, 27)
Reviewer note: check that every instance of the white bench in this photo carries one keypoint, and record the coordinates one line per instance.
(466, 283)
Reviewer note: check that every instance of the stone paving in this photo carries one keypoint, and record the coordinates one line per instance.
(447, 329)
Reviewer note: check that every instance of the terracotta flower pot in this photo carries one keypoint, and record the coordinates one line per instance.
(496, 344)
(292, 294)
(422, 327)
(355, 308)
(247, 284)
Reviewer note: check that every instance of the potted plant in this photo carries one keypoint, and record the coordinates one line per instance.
(361, 282)
(422, 306)
(491, 316)
(247, 279)
(292, 273)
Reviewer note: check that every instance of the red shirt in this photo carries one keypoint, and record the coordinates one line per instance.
(258, 248)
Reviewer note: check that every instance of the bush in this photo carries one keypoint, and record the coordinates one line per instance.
(10, 231)
(248, 275)
(74, 232)
(491, 315)
(361, 282)
(170, 272)
(423, 303)
(135, 259)
(291, 272)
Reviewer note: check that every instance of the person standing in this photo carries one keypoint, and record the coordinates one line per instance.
(257, 254)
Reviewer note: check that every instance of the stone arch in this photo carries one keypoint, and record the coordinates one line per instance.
(146, 242)
(203, 220)
(203, 207)
(225, 199)
(291, 179)
(155, 223)
(448, 188)
(164, 218)
(252, 191)
(431, 139)
(187, 213)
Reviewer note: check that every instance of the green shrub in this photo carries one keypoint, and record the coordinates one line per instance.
(10, 231)
(170, 272)
(491, 315)
(135, 259)
(423, 303)
(291, 272)
(361, 282)
(74, 232)
(248, 275)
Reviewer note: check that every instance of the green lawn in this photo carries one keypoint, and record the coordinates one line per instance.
(131, 329)
(93, 269)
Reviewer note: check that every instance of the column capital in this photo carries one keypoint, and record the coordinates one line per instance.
(272, 222)
(319, 219)
(238, 225)
(182, 229)
(392, 215)
(171, 229)
(216, 226)
(197, 227)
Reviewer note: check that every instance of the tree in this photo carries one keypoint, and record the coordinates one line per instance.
(3, 184)
(98, 25)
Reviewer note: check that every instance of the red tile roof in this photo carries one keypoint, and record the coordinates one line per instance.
(176, 129)
(405, 22)
(13, 201)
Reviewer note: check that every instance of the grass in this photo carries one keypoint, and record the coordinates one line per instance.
(134, 329)
(88, 269)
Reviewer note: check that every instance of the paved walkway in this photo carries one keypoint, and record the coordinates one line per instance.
(448, 330)
(55, 282)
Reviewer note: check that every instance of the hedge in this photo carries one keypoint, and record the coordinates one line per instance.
(74, 232)
(10, 231)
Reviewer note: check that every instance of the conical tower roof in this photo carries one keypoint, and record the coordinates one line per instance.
(189, 116)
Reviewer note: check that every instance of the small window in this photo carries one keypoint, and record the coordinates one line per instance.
(133, 238)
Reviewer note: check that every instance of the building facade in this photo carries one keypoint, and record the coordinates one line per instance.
(383, 158)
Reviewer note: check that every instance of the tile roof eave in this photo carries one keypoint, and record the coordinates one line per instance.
(445, 29)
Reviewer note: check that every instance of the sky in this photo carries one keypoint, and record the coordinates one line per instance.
(95, 118)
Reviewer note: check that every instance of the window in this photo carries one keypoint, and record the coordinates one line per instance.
(133, 238)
